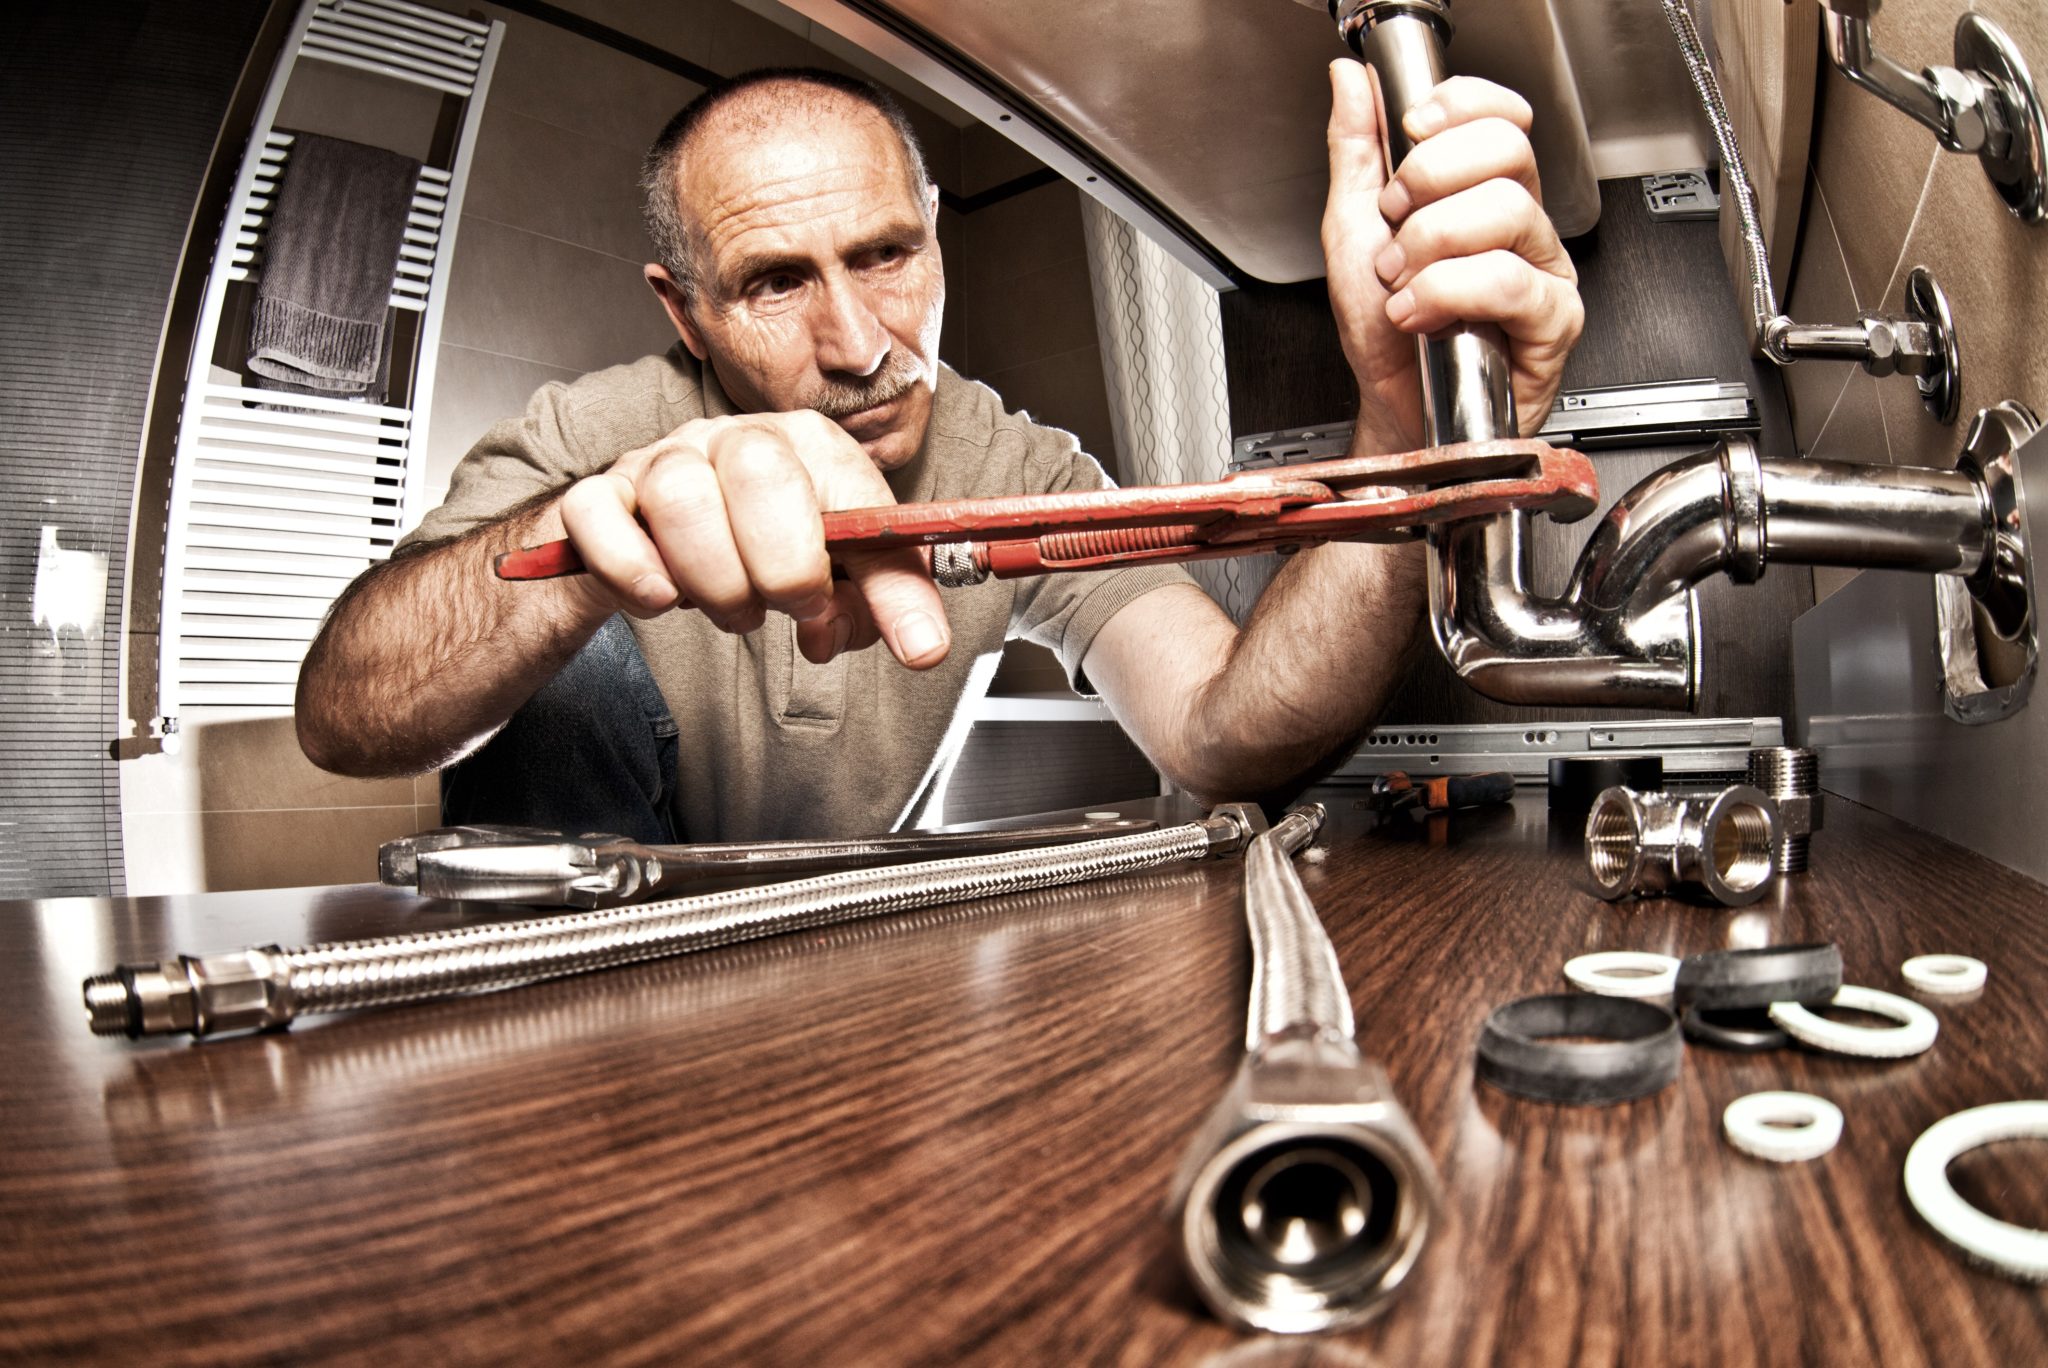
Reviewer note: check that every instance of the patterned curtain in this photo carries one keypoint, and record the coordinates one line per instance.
(1162, 362)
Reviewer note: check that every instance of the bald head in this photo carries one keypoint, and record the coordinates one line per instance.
(751, 109)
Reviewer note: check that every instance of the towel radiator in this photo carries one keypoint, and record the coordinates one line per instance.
(278, 500)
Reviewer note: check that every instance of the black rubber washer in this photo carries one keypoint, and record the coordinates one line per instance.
(1640, 1051)
(1575, 781)
(1723, 980)
(1748, 1029)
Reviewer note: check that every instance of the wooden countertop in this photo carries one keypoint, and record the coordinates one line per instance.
(946, 1136)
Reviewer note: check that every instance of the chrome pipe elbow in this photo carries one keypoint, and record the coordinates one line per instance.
(1626, 631)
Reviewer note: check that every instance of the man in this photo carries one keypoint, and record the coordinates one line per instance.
(801, 269)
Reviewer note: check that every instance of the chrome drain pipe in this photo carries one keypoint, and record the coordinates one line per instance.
(1305, 1198)
(1626, 631)
(265, 987)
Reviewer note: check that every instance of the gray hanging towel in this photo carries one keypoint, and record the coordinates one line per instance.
(318, 325)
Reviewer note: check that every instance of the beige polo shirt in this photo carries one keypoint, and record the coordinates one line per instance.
(770, 744)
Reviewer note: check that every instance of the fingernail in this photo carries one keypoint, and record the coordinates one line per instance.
(1394, 203)
(842, 632)
(1390, 261)
(917, 636)
(1401, 305)
(1426, 118)
(816, 606)
(654, 591)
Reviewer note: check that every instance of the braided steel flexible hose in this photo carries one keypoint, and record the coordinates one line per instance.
(1763, 300)
(1304, 1200)
(267, 987)
(1297, 984)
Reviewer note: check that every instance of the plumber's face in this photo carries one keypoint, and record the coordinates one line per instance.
(817, 261)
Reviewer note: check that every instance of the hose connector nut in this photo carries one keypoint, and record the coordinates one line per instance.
(241, 990)
(1655, 844)
(1306, 1197)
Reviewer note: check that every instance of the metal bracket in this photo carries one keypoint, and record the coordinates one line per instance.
(1675, 195)
(1986, 625)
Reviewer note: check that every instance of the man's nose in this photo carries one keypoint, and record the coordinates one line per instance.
(849, 337)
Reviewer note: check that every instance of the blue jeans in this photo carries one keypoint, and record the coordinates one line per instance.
(594, 750)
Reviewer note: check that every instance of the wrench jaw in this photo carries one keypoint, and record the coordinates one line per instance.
(398, 861)
(554, 874)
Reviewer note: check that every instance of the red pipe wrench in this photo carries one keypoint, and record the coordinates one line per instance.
(1356, 498)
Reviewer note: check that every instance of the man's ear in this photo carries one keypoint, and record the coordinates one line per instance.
(673, 300)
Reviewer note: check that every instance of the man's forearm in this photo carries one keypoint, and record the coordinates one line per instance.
(428, 654)
(1330, 638)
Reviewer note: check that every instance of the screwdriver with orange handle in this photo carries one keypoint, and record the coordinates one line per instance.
(1393, 792)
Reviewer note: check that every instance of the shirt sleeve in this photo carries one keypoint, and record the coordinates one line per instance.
(516, 460)
(1063, 612)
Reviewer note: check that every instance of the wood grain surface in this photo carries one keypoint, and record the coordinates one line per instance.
(946, 1137)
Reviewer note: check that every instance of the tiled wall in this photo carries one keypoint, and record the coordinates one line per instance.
(1883, 199)
(547, 286)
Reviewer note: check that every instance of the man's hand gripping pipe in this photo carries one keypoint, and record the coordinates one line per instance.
(1358, 498)
(265, 987)
(1305, 1198)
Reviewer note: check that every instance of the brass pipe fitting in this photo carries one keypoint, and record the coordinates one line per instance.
(1790, 777)
(1652, 844)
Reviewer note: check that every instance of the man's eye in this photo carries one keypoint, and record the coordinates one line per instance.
(773, 286)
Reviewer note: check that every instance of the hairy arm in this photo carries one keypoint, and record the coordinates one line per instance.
(1457, 233)
(1263, 712)
(428, 654)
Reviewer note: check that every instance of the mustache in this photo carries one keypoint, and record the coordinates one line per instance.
(844, 398)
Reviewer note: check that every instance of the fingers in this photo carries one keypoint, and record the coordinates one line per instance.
(1466, 99)
(725, 515)
(1470, 240)
(896, 599)
(598, 514)
(1457, 159)
(1539, 311)
(1493, 215)
(1357, 165)
(772, 515)
(685, 513)
(901, 605)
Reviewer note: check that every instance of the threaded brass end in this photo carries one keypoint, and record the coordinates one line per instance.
(1741, 847)
(109, 1005)
(1611, 837)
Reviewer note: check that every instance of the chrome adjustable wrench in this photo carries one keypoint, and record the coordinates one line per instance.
(552, 868)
